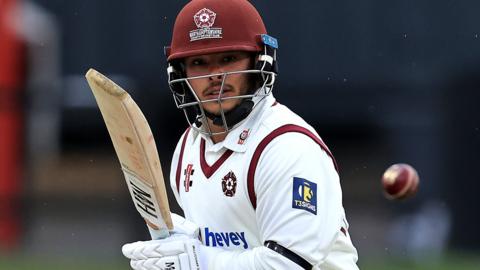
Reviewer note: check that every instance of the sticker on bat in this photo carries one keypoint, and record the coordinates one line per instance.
(143, 198)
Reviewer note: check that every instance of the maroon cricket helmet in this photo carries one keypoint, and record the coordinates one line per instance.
(212, 26)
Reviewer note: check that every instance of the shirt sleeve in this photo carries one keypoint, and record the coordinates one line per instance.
(299, 206)
(299, 198)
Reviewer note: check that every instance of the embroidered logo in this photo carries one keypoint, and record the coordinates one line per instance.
(229, 184)
(243, 136)
(188, 172)
(304, 195)
(204, 19)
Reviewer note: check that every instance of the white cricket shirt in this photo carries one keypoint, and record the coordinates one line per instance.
(271, 179)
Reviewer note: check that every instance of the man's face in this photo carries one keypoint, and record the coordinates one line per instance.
(209, 87)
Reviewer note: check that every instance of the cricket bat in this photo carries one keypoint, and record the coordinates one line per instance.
(136, 150)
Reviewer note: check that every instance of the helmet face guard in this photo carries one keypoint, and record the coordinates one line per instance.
(193, 107)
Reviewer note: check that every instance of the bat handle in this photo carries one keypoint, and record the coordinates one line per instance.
(158, 234)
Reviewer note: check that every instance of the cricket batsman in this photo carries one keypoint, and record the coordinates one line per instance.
(258, 186)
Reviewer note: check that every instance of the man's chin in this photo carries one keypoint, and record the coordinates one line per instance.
(217, 113)
(217, 110)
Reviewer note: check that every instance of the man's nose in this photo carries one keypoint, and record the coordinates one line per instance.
(217, 73)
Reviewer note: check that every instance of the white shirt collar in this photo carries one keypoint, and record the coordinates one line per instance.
(235, 141)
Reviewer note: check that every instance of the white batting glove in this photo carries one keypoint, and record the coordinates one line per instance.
(175, 252)
(181, 250)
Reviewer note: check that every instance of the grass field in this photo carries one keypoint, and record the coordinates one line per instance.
(23, 263)
(451, 262)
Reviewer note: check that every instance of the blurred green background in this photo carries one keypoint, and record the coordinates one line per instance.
(448, 262)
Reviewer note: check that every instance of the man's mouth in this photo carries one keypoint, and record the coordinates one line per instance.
(214, 92)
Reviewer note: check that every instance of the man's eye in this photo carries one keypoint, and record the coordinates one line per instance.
(197, 62)
(228, 59)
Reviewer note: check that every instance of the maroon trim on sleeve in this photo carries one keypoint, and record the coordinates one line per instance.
(263, 144)
(207, 169)
(180, 159)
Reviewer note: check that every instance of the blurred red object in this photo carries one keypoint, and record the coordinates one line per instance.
(12, 81)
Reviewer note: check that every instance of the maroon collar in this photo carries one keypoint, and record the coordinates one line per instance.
(207, 169)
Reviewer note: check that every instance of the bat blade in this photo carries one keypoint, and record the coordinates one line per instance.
(135, 147)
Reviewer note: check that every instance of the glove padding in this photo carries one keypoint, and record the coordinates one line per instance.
(181, 250)
(175, 252)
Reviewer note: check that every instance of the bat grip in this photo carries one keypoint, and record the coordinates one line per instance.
(158, 234)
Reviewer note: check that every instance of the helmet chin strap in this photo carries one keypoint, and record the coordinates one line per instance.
(233, 116)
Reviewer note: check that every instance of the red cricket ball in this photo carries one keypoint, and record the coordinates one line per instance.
(400, 181)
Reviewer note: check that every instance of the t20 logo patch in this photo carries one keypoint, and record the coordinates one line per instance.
(304, 195)
(243, 136)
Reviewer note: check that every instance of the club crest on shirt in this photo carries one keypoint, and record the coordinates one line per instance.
(304, 195)
(188, 172)
(229, 184)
